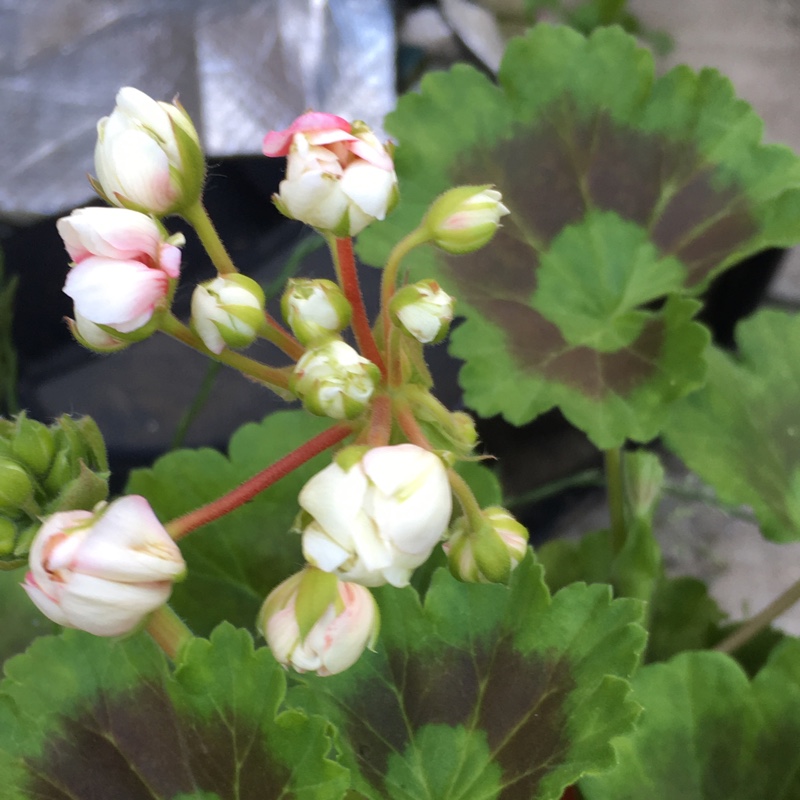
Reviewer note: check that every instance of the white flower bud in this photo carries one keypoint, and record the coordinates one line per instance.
(103, 571)
(228, 310)
(148, 155)
(376, 519)
(333, 380)
(464, 219)
(315, 623)
(423, 310)
(315, 309)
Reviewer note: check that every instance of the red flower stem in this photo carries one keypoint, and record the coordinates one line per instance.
(409, 425)
(179, 527)
(345, 263)
(168, 631)
(273, 377)
(380, 424)
(281, 338)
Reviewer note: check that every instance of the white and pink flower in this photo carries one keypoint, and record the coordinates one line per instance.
(123, 266)
(373, 519)
(339, 177)
(326, 640)
(103, 571)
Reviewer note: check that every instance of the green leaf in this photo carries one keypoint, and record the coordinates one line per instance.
(486, 691)
(682, 617)
(706, 732)
(21, 621)
(624, 190)
(233, 563)
(741, 432)
(83, 718)
(595, 276)
(633, 572)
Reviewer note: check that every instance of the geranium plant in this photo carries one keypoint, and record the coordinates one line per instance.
(352, 611)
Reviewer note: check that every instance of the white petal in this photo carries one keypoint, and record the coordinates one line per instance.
(334, 499)
(321, 551)
(369, 187)
(109, 292)
(315, 199)
(105, 608)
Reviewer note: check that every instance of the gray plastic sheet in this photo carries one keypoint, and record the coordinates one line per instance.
(240, 67)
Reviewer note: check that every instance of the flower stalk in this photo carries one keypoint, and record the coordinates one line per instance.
(168, 631)
(345, 264)
(274, 378)
(197, 216)
(181, 526)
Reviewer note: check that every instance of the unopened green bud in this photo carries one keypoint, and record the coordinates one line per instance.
(33, 445)
(423, 310)
(228, 311)
(8, 536)
(333, 380)
(489, 553)
(16, 486)
(464, 219)
(643, 481)
(61, 472)
(315, 309)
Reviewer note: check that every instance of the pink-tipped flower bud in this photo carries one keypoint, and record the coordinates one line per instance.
(315, 623)
(423, 310)
(374, 516)
(339, 177)
(103, 571)
(148, 155)
(489, 553)
(333, 380)
(315, 309)
(93, 337)
(124, 268)
(464, 219)
(228, 310)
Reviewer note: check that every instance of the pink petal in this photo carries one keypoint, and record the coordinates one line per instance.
(277, 143)
(110, 292)
(169, 259)
(378, 158)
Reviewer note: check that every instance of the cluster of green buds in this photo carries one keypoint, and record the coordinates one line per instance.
(45, 469)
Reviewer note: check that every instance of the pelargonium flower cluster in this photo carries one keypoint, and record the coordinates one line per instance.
(378, 510)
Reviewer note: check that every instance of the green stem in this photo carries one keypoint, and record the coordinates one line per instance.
(272, 377)
(588, 477)
(345, 264)
(466, 499)
(168, 630)
(196, 405)
(179, 527)
(198, 218)
(616, 500)
(756, 624)
(389, 277)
